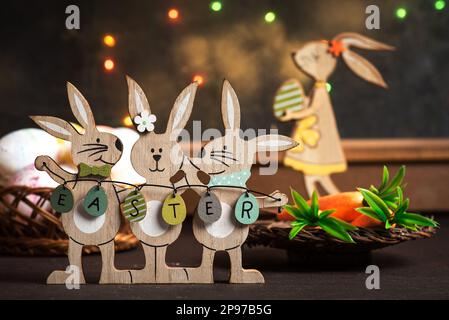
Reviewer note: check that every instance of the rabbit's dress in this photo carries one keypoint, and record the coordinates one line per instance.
(320, 151)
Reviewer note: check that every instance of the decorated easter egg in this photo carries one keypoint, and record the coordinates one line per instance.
(247, 209)
(20, 148)
(174, 210)
(290, 96)
(96, 201)
(134, 208)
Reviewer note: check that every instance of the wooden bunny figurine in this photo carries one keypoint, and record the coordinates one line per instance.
(321, 153)
(228, 161)
(157, 157)
(95, 153)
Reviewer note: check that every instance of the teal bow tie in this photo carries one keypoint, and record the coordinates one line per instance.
(231, 179)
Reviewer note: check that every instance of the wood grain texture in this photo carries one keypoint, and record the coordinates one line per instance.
(93, 149)
(323, 155)
(228, 155)
(158, 157)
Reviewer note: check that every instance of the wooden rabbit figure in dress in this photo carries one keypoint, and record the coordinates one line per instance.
(158, 158)
(320, 154)
(228, 161)
(92, 209)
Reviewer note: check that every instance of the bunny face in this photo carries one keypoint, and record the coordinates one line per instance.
(157, 156)
(96, 148)
(315, 60)
(91, 147)
(231, 153)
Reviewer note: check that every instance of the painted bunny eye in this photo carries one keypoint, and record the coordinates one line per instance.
(152, 150)
(225, 148)
(98, 140)
(160, 150)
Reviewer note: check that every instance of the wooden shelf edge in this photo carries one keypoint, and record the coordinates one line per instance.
(382, 150)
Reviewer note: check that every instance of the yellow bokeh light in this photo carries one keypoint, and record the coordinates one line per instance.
(109, 40)
(127, 121)
(198, 78)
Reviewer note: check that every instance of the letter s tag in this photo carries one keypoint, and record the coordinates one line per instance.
(96, 201)
(209, 208)
(247, 209)
(61, 199)
(174, 210)
(134, 208)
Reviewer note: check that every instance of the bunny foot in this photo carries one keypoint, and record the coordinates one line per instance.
(199, 276)
(172, 275)
(61, 277)
(116, 277)
(142, 276)
(246, 276)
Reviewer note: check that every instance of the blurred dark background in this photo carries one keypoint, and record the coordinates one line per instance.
(38, 55)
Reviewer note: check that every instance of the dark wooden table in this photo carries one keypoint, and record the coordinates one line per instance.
(413, 270)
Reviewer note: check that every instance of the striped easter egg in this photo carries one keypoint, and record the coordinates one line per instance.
(290, 96)
(134, 208)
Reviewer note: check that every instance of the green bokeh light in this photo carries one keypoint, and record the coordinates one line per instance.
(440, 5)
(401, 13)
(328, 87)
(270, 17)
(216, 6)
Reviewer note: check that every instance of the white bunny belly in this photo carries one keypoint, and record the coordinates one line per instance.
(85, 222)
(153, 224)
(224, 226)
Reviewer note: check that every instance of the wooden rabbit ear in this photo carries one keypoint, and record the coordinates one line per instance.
(80, 107)
(230, 107)
(274, 142)
(182, 108)
(364, 69)
(137, 100)
(56, 127)
(357, 40)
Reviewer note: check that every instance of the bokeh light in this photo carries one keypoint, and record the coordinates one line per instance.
(173, 14)
(270, 17)
(216, 6)
(198, 78)
(328, 87)
(440, 4)
(127, 121)
(401, 13)
(109, 40)
(109, 64)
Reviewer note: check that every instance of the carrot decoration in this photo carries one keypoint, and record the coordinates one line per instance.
(371, 207)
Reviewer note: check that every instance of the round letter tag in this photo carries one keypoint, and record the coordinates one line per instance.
(247, 209)
(174, 210)
(96, 201)
(209, 208)
(134, 208)
(61, 199)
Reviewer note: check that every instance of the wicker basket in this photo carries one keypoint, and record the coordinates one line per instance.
(315, 241)
(28, 225)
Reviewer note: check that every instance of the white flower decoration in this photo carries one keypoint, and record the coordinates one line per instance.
(145, 121)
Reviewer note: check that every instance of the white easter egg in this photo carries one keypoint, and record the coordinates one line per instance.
(123, 170)
(20, 148)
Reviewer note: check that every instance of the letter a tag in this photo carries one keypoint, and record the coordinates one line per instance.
(247, 209)
(61, 199)
(96, 202)
(134, 208)
(209, 208)
(174, 210)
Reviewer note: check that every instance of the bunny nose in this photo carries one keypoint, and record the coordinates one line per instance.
(119, 145)
(157, 157)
